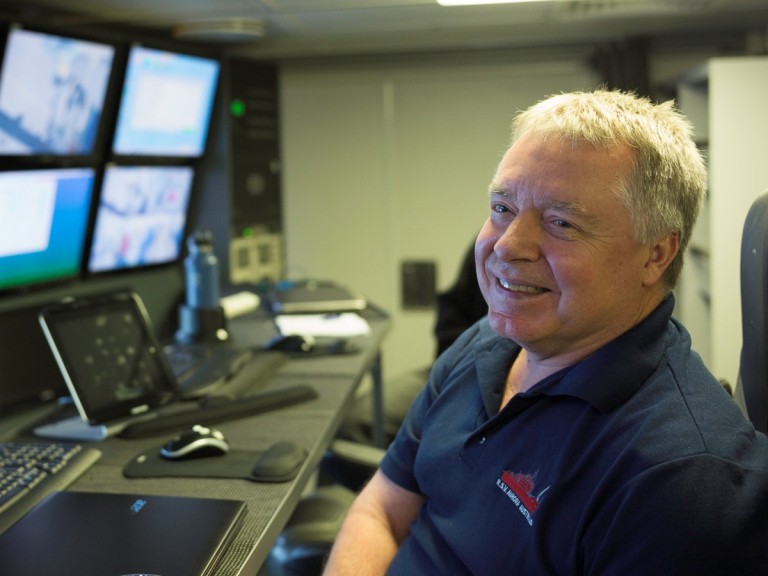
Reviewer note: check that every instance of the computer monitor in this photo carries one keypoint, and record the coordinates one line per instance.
(166, 104)
(43, 224)
(52, 93)
(141, 217)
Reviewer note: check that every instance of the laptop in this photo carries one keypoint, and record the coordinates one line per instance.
(101, 534)
(313, 297)
(108, 355)
(114, 368)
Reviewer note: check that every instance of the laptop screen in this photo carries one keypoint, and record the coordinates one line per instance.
(108, 356)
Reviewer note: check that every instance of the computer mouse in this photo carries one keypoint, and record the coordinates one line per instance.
(198, 442)
(291, 343)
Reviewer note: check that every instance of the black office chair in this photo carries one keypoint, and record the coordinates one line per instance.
(305, 542)
(349, 462)
(752, 386)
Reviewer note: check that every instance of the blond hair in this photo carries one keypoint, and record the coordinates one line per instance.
(667, 185)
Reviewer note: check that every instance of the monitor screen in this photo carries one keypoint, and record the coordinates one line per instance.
(52, 92)
(141, 218)
(166, 104)
(43, 223)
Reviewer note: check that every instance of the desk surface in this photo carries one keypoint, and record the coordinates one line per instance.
(311, 425)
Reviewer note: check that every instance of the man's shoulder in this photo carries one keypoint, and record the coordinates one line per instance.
(689, 413)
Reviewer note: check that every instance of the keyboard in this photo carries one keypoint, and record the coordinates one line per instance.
(30, 471)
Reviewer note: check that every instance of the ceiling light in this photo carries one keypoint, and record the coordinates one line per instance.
(478, 2)
(221, 30)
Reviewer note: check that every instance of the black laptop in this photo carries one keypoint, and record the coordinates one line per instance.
(314, 297)
(100, 534)
(109, 357)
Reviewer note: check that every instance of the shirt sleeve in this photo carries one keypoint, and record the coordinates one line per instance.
(399, 460)
(711, 518)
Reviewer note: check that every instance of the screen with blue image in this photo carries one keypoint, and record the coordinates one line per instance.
(43, 223)
(52, 93)
(166, 103)
(141, 217)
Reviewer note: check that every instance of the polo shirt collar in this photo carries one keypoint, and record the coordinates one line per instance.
(611, 375)
(606, 379)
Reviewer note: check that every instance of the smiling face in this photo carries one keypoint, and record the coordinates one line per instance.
(556, 260)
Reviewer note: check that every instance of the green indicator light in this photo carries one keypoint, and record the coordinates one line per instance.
(237, 108)
(247, 232)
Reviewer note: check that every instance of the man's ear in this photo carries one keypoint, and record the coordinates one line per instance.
(660, 257)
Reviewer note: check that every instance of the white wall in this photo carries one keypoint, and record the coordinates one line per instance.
(738, 128)
(386, 161)
(693, 290)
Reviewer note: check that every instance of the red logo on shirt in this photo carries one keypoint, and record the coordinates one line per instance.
(519, 488)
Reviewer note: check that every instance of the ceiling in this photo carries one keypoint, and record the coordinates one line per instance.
(280, 29)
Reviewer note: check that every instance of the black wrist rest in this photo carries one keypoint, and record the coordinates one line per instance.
(220, 410)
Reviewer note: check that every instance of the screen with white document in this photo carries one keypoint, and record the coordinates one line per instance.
(43, 224)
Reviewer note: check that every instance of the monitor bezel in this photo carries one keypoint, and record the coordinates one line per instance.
(89, 273)
(135, 156)
(100, 146)
(38, 285)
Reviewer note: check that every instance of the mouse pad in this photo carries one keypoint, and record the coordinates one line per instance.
(280, 463)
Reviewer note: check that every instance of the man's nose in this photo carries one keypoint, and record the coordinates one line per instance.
(520, 240)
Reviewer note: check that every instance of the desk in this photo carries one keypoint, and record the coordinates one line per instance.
(312, 425)
(248, 333)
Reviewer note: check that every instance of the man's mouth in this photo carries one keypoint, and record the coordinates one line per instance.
(521, 288)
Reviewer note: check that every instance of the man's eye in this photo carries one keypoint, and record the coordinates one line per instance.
(500, 208)
(562, 223)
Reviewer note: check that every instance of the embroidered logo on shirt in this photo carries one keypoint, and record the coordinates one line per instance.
(519, 489)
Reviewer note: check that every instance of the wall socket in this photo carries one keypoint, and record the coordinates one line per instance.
(418, 284)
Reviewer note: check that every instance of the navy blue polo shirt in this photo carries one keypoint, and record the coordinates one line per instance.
(634, 461)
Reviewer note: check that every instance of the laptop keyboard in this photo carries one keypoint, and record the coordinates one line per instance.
(30, 471)
(203, 370)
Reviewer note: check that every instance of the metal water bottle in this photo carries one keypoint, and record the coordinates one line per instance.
(201, 271)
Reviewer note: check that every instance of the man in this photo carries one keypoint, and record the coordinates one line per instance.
(573, 431)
